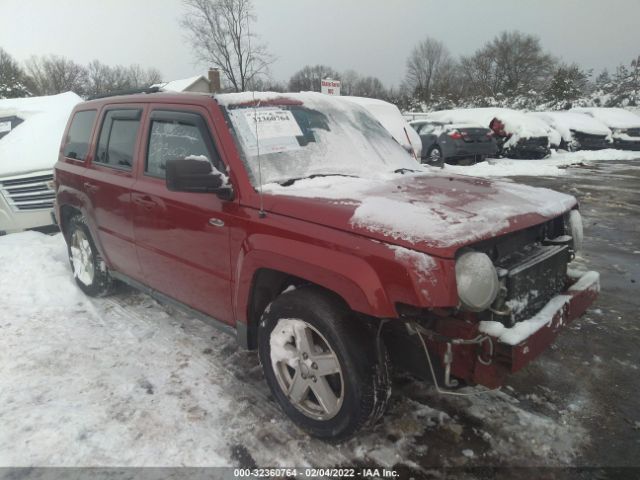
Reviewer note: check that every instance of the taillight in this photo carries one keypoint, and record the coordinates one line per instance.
(455, 135)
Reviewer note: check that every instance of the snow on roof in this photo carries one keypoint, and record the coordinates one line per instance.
(34, 144)
(564, 122)
(612, 117)
(516, 123)
(180, 85)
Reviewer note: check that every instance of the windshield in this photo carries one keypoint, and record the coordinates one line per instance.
(317, 136)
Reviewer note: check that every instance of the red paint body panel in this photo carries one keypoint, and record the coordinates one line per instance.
(165, 239)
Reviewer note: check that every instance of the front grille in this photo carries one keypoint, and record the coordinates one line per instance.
(28, 192)
(534, 277)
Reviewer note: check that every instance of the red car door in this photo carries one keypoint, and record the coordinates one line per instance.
(182, 238)
(107, 184)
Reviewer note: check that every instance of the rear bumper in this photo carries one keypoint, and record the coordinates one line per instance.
(626, 144)
(500, 350)
(463, 149)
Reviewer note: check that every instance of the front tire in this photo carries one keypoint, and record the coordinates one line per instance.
(322, 364)
(88, 267)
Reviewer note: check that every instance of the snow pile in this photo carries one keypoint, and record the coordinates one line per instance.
(553, 166)
(564, 122)
(35, 143)
(178, 85)
(391, 118)
(612, 117)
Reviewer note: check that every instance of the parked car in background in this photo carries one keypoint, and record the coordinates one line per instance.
(578, 131)
(517, 135)
(624, 125)
(30, 134)
(297, 224)
(456, 143)
(392, 119)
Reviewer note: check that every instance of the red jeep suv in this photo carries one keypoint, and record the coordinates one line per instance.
(297, 223)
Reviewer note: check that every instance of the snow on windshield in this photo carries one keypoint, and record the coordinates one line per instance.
(310, 134)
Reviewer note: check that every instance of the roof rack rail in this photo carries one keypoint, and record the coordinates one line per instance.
(130, 91)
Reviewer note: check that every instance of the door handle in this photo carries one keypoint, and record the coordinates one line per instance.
(145, 202)
(90, 187)
(216, 222)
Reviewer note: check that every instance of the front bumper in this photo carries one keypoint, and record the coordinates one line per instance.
(498, 351)
(25, 202)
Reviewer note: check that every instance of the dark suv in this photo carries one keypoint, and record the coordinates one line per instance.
(296, 223)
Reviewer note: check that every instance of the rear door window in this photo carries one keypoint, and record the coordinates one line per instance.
(77, 142)
(118, 136)
(177, 135)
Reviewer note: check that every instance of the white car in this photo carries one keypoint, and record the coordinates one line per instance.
(578, 131)
(391, 118)
(31, 133)
(624, 125)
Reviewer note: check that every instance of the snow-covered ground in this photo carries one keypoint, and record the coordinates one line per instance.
(125, 381)
(553, 166)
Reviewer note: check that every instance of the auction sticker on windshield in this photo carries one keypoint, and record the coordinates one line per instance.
(267, 130)
(5, 127)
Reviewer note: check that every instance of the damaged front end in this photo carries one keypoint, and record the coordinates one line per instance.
(508, 318)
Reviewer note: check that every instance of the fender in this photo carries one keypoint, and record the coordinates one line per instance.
(77, 200)
(349, 276)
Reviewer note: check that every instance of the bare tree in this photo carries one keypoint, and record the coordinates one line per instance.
(370, 87)
(219, 32)
(309, 78)
(54, 74)
(423, 66)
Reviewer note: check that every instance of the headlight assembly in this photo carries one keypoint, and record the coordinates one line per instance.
(477, 281)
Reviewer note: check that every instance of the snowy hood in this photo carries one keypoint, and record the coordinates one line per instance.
(429, 212)
(34, 144)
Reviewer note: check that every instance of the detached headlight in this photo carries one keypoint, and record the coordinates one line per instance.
(577, 232)
(477, 281)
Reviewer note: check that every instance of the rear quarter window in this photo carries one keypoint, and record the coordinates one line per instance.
(77, 142)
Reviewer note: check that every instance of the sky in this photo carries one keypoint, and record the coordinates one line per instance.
(373, 37)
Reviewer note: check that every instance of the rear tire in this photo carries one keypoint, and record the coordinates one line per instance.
(434, 157)
(89, 269)
(322, 364)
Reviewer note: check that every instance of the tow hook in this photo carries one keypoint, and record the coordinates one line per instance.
(448, 355)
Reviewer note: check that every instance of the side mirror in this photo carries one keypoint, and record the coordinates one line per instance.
(190, 175)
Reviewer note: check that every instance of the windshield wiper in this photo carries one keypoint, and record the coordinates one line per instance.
(291, 181)
(406, 170)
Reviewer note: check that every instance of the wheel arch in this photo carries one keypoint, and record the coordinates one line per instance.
(263, 276)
